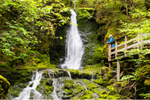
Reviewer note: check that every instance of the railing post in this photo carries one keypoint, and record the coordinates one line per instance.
(118, 70)
(110, 64)
(116, 49)
(142, 42)
(125, 45)
(138, 47)
(109, 52)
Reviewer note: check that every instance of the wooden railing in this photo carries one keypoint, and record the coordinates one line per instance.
(121, 47)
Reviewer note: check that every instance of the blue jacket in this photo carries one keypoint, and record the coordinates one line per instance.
(110, 40)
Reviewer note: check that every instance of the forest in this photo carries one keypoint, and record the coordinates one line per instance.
(35, 49)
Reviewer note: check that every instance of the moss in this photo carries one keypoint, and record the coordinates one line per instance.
(87, 95)
(98, 81)
(69, 91)
(16, 93)
(112, 90)
(77, 89)
(75, 73)
(91, 86)
(48, 89)
(68, 84)
(4, 87)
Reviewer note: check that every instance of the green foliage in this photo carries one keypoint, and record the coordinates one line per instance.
(146, 95)
(84, 14)
(48, 89)
(29, 23)
(126, 77)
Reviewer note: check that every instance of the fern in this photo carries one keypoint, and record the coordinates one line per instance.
(146, 95)
(127, 77)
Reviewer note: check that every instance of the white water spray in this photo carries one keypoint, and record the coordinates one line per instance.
(69, 75)
(74, 46)
(26, 93)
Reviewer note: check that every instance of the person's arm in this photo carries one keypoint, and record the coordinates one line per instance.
(110, 40)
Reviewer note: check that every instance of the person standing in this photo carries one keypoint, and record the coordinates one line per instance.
(110, 40)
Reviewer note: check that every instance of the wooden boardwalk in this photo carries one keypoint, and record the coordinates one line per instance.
(122, 46)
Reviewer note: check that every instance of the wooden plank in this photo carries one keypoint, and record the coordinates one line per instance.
(142, 42)
(120, 37)
(118, 70)
(115, 49)
(136, 38)
(138, 47)
(121, 45)
(110, 64)
(131, 46)
(127, 42)
(146, 42)
(117, 39)
(109, 52)
(125, 45)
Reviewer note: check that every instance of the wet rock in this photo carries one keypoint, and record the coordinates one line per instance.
(31, 85)
(104, 70)
(60, 73)
(49, 82)
(58, 66)
(65, 97)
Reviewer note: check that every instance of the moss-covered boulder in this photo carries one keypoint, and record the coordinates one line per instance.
(87, 95)
(68, 84)
(4, 87)
(80, 74)
(77, 89)
(60, 73)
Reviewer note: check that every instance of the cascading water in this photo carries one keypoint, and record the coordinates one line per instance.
(69, 75)
(26, 93)
(74, 46)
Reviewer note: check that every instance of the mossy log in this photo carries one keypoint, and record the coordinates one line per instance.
(4, 87)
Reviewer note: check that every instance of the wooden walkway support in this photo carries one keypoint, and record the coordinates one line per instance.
(122, 45)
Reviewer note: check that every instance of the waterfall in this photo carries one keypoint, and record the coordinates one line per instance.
(69, 75)
(92, 78)
(58, 88)
(74, 45)
(31, 88)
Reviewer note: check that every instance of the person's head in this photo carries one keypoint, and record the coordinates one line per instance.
(110, 36)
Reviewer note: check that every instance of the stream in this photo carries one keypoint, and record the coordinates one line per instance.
(31, 88)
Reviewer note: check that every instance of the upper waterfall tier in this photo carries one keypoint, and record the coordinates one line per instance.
(74, 45)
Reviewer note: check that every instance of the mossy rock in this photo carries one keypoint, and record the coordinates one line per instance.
(16, 93)
(77, 89)
(4, 87)
(60, 73)
(48, 86)
(68, 84)
(112, 90)
(75, 73)
(69, 91)
(87, 95)
(91, 86)
(105, 69)
(99, 81)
